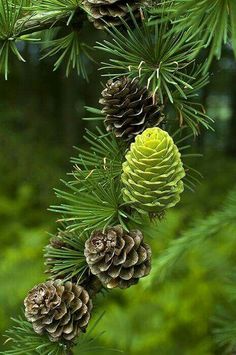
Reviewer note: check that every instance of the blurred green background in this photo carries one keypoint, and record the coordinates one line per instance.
(40, 121)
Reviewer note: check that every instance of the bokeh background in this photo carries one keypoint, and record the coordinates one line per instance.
(41, 115)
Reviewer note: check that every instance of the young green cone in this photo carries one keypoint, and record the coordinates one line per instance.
(152, 173)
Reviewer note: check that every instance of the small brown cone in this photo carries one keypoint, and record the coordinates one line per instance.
(118, 258)
(110, 12)
(60, 310)
(93, 285)
(129, 108)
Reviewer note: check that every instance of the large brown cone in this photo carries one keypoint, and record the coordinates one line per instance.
(129, 108)
(118, 258)
(110, 12)
(60, 310)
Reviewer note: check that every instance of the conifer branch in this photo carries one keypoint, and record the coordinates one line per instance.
(43, 21)
(117, 180)
(24, 340)
(211, 21)
(21, 19)
(202, 230)
(163, 62)
(64, 256)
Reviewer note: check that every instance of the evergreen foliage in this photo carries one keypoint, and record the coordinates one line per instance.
(159, 61)
(197, 235)
(9, 15)
(163, 62)
(71, 51)
(213, 22)
(65, 258)
(205, 28)
(95, 183)
(26, 341)
(225, 325)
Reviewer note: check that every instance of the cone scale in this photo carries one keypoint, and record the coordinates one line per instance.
(110, 12)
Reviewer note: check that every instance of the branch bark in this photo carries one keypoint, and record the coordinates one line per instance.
(39, 22)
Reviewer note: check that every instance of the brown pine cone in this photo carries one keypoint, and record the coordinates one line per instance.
(57, 242)
(129, 108)
(93, 285)
(109, 12)
(60, 310)
(118, 258)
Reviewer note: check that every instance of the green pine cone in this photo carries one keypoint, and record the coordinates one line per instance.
(153, 172)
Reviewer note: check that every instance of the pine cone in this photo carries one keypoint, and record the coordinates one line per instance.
(93, 285)
(57, 242)
(118, 258)
(129, 108)
(60, 310)
(152, 173)
(109, 12)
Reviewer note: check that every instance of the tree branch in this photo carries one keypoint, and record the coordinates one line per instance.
(39, 22)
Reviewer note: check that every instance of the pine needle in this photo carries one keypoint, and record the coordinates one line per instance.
(71, 51)
(202, 230)
(163, 61)
(212, 21)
